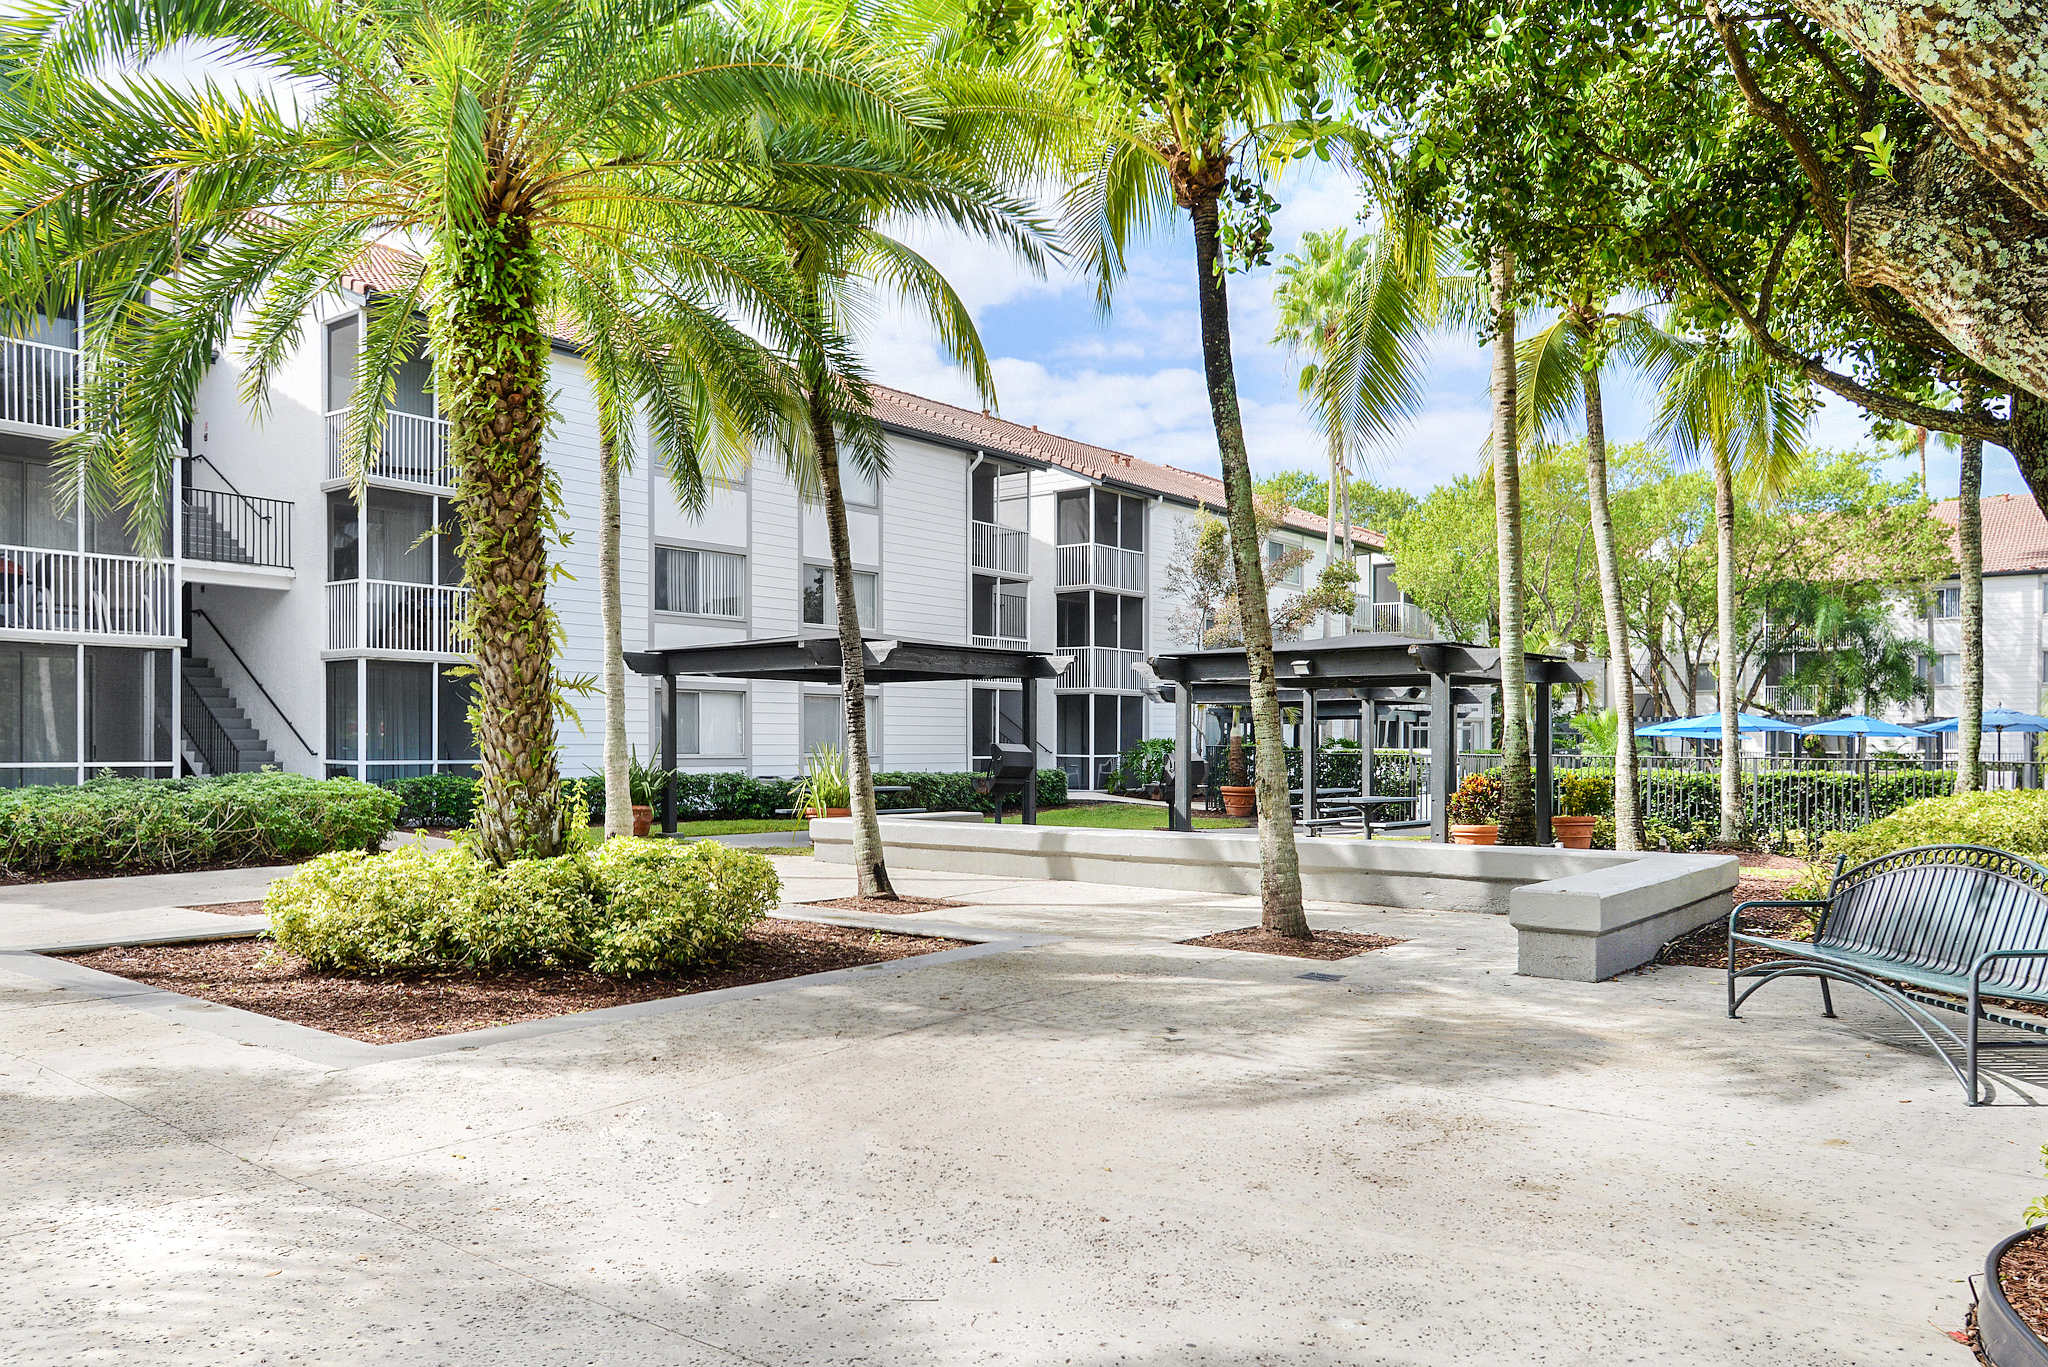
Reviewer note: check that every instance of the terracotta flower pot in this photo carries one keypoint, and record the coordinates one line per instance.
(643, 819)
(1474, 835)
(1239, 801)
(813, 813)
(1574, 832)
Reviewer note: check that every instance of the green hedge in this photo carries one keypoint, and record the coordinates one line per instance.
(2015, 820)
(445, 799)
(624, 907)
(139, 825)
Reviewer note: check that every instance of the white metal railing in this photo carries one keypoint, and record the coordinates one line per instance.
(85, 593)
(1100, 667)
(1392, 619)
(1111, 567)
(412, 450)
(382, 615)
(1002, 642)
(38, 383)
(1001, 548)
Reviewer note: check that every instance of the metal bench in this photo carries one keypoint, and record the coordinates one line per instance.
(1942, 926)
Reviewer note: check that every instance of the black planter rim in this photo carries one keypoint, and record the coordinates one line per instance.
(2003, 1335)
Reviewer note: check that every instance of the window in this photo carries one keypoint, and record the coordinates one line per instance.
(1072, 620)
(31, 512)
(343, 532)
(997, 715)
(856, 485)
(1703, 680)
(398, 537)
(1000, 496)
(708, 583)
(398, 707)
(458, 742)
(999, 608)
(823, 722)
(402, 717)
(341, 362)
(127, 706)
(1073, 518)
(1384, 590)
(413, 386)
(1948, 603)
(1945, 671)
(711, 724)
(39, 707)
(1276, 552)
(819, 609)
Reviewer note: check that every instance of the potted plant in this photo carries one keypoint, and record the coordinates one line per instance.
(823, 790)
(1475, 811)
(1583, 797)
(2005, 1336)
(645, 783)
(1240, 798)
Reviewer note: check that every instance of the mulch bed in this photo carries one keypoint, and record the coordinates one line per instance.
(2023, 1276)
(1327, 944)
(14, 877)
(230, 908)
(887, 906)
(413, 1006)
(1707, 947)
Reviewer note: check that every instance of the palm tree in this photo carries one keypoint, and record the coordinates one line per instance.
(1724, 397)
(1970, 543)
(1560, 378)
(1518, 785)
(503, 141)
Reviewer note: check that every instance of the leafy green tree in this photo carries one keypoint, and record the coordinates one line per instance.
(1725, 398)
(1374, 506)
(1202, 580)
(1200, 102)
(510, 142)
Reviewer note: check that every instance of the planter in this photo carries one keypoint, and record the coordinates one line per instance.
(1574, 832)
(643, 819)
(813, 813)
(1474, 835)
(1239, 801)
(2001, 1333)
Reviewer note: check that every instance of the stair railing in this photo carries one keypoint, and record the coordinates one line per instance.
(261, 527)
(199, 614)
(213, 743)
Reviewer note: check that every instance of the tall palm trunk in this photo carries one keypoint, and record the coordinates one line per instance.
(1724, 639)
(1518, 806)
(1628, 812)
(1970, 543)
(494, 372)
(618, 789)
(1197, 190)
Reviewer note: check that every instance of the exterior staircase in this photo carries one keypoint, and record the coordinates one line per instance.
(219, 738)
(207, 538)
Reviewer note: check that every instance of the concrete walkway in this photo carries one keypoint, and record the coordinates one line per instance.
(1109, 1149)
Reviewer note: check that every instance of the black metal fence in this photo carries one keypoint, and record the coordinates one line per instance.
(234, 529)
(206, 734)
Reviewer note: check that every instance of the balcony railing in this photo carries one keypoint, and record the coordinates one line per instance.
(1002, 642)
(1003, 549)
(1100, 667)
(1392, 619)
(85, 593)
(1109, 567)
(413, 450)
(381, 615)
(38, 384)
(227, 528)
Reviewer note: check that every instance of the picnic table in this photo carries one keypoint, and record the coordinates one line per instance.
(1352, 809)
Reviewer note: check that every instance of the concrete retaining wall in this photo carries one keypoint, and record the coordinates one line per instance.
(1578, 914)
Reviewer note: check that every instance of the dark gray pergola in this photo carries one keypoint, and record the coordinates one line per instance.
(815, 659)
(1355, 672)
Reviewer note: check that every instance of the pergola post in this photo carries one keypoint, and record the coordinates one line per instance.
(1443, 758)
(1368, 736)
(1029, 797)
(1179, 816)
(1539, 758)
(1309, 806)
(668, 754)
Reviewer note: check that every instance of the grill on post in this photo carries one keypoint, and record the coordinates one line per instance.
(1011, 770)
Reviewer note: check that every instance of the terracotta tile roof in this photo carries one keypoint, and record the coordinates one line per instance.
(380, 270)
(2015, 533)
(928, 417)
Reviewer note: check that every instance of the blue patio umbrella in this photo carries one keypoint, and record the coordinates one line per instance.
(1859, 725)
(1708, 726)
(1999, 719)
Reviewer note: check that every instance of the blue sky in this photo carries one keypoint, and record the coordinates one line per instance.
(1134, 382)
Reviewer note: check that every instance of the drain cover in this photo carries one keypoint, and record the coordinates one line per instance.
(1322, 977)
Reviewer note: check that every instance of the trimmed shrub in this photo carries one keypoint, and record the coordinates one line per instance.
(136, 825)
(623, 908)
(2014, 820)
(443, 801)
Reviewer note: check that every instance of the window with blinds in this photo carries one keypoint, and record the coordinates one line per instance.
(705, 583)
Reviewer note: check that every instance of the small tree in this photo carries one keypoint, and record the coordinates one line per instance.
(1203, 581)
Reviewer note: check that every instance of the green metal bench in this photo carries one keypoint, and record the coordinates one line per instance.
(1938, 928)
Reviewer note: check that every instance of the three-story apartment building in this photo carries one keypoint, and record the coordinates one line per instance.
(285, 621)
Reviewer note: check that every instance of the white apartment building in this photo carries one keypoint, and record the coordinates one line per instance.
(280, 623)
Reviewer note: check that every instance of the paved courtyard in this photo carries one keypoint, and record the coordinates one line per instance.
(1107, 1149)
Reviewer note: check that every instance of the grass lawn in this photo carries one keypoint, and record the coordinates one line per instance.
(1126, 816)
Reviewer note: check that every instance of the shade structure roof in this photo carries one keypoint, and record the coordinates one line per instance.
(1375, 664)
(1856, 724)
(815, 659)
(1995, 719)
(1707, 726)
